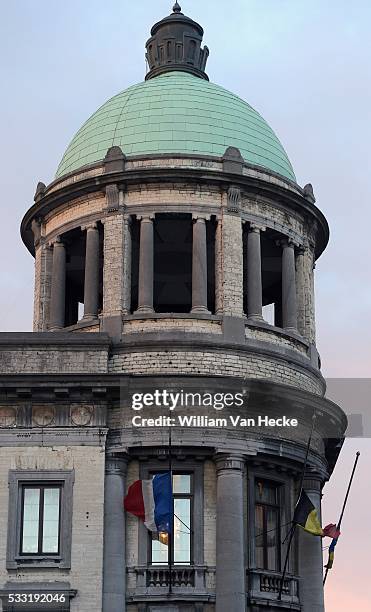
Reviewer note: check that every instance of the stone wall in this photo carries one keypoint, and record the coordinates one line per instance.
(53, 353)
(113, 257)
(209, 513)
(214, 363)
(75, 210)
(229, 266)
(87, 524)
(181, 325)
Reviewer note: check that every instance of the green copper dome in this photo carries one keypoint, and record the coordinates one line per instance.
(176, 113)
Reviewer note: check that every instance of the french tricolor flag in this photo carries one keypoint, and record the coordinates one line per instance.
(152, 502)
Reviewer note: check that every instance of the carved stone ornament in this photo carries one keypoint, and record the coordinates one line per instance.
(308, 193)
(7, 416)
(42, 416)
(112, 197)
(40, 191)
(234, 199)
(81, 415)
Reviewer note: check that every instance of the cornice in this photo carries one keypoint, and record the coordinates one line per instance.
(280, 190)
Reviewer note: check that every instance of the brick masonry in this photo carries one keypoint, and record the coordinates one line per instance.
(209, 513)
(87, 524)
(229, 266)
(214, 363)
(41, 359)
(166, 324)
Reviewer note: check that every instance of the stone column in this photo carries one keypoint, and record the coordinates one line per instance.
(254, 274)
(310, 557)
(58, 288)
(91, 282)
(230, 557)
(199, 266)
(114, 554)
(146, 257)
(289, 303)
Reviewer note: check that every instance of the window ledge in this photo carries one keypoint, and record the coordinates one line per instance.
(38, 562)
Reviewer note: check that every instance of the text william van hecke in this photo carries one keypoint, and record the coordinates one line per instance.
(206, 421)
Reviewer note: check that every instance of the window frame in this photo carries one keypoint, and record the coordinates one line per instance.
(19, 480)
(286, 504)
(278, 507)
(196, 469)
(40, 487)
(189, 496)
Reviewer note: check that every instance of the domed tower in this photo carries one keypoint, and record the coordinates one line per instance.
(175, 252)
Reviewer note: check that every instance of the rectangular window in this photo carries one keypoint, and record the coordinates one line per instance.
(40, 518)
(182, 527)
(40, 522)
(267, 525)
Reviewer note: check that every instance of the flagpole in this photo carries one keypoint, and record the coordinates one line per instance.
(344, 505)
(293, 526)
(170, 535)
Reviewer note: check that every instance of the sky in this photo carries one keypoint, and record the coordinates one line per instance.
(305, 65)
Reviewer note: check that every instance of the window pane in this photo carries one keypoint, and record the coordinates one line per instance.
(266, 492)
(51, 521)
(272, 538)
(31, 504)
(259, 536)
(181, 483)
(159, 553)
(182, 531)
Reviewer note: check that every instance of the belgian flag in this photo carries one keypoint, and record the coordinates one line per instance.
(305, 516)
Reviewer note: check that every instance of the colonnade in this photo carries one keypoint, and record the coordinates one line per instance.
(199, 274)
(91, 278)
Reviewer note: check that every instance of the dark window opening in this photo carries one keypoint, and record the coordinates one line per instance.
(173, 243)
(173, 263)
(210, 237)
(271, 259)
(135, 241)
(272, 274)
(75, 274)
(267, 525)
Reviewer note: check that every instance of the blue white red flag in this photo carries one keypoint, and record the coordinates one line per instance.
(152, 502)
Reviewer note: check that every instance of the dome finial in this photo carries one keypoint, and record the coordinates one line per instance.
(175, 45)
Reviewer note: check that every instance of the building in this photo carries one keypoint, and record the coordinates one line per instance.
(173, 225)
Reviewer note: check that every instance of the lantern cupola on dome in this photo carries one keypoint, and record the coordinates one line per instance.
(175, 44)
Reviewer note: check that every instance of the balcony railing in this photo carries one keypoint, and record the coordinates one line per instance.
(266, 584)
(180, 577)
(185, 579)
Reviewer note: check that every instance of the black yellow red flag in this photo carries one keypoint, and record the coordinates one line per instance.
(306, 516)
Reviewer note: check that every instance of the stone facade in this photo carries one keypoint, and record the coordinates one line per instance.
(87, 530)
